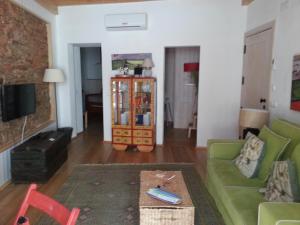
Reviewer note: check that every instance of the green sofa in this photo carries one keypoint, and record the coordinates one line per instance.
(236, 196)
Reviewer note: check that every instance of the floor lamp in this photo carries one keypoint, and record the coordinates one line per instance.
(193, 68)
(54, 76)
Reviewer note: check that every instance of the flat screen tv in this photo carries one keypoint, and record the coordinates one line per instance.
(17, 101)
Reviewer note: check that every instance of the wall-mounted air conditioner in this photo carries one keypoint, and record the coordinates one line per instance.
(132, 21)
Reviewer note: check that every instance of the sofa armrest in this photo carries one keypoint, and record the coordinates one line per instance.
(279, 213)
(288, 222)
(224, 149)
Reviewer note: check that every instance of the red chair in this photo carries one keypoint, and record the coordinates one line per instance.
(47, 205)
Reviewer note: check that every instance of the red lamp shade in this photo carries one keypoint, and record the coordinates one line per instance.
(191, 67)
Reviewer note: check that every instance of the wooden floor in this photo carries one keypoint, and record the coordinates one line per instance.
(88, 148)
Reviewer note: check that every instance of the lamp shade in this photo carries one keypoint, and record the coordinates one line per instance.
(54, 76)
(253, 118)
(191, 67)
(148, 63)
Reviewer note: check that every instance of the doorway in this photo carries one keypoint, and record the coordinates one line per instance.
(91, 80)
(257, 69)
(88, 88)
(181, 92)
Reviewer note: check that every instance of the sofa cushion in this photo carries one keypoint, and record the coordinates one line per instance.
(250, 157)
(282, 184)
(274, 147)
(225, 173)
(288, 130)
(295, 157)
(242, 204)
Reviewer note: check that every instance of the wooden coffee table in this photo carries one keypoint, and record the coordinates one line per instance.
(156, 212)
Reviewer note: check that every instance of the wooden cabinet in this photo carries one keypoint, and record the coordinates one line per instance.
(133, 112)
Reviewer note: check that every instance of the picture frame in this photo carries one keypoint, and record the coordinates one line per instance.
(295, 89)
(132, 61)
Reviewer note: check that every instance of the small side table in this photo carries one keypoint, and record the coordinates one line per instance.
(245, 130)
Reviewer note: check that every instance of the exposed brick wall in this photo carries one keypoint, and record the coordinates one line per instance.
(23, 59)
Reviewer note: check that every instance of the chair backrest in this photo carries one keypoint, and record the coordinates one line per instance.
(49, 206)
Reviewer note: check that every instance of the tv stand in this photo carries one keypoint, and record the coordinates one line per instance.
(37, 159)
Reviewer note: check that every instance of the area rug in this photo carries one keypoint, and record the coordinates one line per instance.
(109, 194)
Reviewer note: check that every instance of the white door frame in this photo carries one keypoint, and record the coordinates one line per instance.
(75, 69)
(164, 80)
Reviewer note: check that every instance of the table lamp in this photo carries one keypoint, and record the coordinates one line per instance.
(147, 65)
(54, 76)
(252, 120)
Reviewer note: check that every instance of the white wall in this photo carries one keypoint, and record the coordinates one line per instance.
(286, 45)
(36, 9)
(217, 26)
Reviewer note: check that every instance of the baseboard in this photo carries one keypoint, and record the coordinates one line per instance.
(201, 148)
(110, 142)
(5, 185)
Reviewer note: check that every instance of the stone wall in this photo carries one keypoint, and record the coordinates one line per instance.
(23, 59)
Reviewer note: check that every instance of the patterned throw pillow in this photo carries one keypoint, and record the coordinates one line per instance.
(282, 184)
(250, 157)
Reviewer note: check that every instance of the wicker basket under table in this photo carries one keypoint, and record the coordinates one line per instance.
(155, 212)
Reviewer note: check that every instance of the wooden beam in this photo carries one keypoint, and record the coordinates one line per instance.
(50, 5)
(51, 85)
(81, 2)
(246, 2)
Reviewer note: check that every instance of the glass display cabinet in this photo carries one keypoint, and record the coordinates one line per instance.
(133, 112)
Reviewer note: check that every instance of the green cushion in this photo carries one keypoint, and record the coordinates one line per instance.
(295, 157)
(274, 147)
(225, 173)
(242, 204)
(288, 130)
